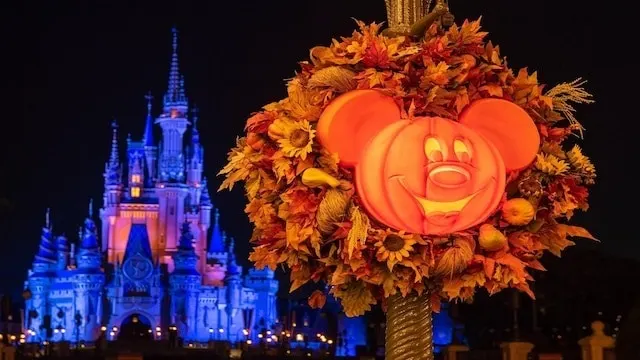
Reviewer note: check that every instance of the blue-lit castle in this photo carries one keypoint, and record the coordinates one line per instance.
(149, 264)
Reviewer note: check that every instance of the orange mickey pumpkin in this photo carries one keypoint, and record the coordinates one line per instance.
(428, 175)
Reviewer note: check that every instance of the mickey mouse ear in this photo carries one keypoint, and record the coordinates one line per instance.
(508, 127)
(352, 120)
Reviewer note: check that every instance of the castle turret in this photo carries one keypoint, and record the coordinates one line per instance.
(185, 283)
(88, 283)
(215, 251)
(265, 286)
(233, 283)
(62, 246)
(195, 163)
(112, 189)
(38, 317)
(150, 148)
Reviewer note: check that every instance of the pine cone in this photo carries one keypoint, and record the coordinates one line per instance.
(530, 187)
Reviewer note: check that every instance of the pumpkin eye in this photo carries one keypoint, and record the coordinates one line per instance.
(433, 150)
(461, 150)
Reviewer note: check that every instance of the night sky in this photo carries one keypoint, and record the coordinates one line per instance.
(76, 66)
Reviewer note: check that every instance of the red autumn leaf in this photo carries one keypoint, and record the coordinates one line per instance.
(375, 55)
(259, 122)
(317, 300)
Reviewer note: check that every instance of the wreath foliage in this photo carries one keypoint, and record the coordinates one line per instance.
(321, 233)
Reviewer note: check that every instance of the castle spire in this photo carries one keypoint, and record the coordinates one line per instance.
(232, 266)
(175, 95)
(90, 208)
(47, 250)
(205, 198)
(147, 137)
(112, 173)
(217, 242)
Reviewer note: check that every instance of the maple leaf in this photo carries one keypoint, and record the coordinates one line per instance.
(514, 264)
(296, 234)
(240, 164)
(492, 90)
(259, 122)
(375, 55)
(260, 212)
(300, 275)
(262, 257)
(435, 74)
(356, 298)
(317, 299)
(283, 168)
(303, 103)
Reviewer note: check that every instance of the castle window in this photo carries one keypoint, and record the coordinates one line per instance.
(135, 192)
(135, 178)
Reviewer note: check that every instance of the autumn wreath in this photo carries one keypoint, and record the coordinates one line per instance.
(308, 217)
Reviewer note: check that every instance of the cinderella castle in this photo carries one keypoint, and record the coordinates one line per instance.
(150, 265)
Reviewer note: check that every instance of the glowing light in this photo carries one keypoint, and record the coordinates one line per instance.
(103, 328)
(260, 336)
(428, 175)
(245, 332)
(221, 330)
(114, 329)
(158, 328)
(135, 192)
(22, 341)
(210, 330)
(249, 342)
(268, 332)
(299, 337)
(22, 336)
(149, 331)
(329, 341)
(63, 330)
(135, 179)
(112, 333)
(269, 340)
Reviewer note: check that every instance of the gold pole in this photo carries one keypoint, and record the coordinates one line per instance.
(409, 330)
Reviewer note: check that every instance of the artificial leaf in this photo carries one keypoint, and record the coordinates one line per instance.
(317, 299)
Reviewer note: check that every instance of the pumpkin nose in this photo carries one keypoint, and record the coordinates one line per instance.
(449, 176)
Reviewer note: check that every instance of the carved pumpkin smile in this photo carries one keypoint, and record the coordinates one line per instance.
(436, 211)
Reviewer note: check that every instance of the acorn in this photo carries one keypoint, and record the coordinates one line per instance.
(490, 238)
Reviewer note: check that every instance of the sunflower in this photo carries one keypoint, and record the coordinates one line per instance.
(393, 247)
(294, 137)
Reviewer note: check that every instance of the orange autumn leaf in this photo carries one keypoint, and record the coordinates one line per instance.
(317, 299)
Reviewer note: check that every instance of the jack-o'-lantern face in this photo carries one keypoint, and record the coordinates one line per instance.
(428, 175)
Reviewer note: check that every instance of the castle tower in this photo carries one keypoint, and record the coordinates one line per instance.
(185, 285)
(136, 174)
(38, 317)
(233, 283)
(173, 122)
(112, 190)
(266, 286)
(150, 148)
(88, 284)
(170, 188)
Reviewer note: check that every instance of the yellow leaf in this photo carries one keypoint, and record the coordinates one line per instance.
(358, 232)
(493, 90)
